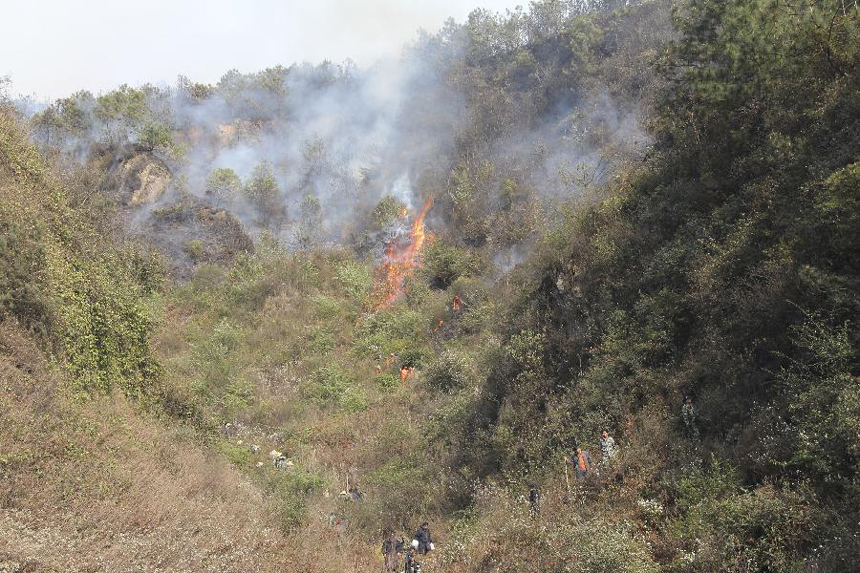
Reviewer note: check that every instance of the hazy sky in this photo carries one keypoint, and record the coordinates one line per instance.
(52, 48)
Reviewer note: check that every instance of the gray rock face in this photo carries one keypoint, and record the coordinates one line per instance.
(187, 229)
(137, 177)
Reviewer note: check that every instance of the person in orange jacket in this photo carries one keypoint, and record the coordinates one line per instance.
(581, 463)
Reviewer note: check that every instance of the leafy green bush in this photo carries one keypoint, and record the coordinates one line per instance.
(444, 264)
(386, 381)
(172, 211)
(262, 190)
(214, 356)
(236, 454)
(392, 329)
(289, 491)
(194, 249)
(155, 135)
(449, 372)
(417, 292)
(22, 295)
(223, 185)
(403, 492)
(319, 341)
(59, 278)
(327, 308)
(330, 385)
(414, 356)
(762, 530)
(355, 279)
(388, 210)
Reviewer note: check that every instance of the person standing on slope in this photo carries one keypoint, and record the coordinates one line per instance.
(412, 565)
(424, 539)
(607, 448)
(581, 464)
(389, 552)
(534, 500)
(688, 414)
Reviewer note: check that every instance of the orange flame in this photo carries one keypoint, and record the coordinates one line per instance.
(401, 260)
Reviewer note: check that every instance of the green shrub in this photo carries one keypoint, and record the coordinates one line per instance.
(449, 372)
(319, 341)
(704, 484)
(289, 491)
(387, 381)
(329, 385)
(388, 210)
(194, 249)
(417, 292)
(327, 307)
(444, 264)
(389, 330)
(236, 454)
(214, 356)
(354, 277)
(613, 549)
(155, 135)
(59, 278)
(22, 294)
(402, 491)
(167, 213)
(223, 185)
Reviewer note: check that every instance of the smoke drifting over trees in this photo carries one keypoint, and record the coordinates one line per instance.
(641, 223)
(318, 146)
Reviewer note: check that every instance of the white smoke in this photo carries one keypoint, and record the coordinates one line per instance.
(342, 138)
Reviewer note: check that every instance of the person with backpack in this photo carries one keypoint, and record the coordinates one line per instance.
(424, 539)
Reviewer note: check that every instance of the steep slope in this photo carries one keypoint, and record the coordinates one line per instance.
(717, 265)
(92, 477)
(185, 229)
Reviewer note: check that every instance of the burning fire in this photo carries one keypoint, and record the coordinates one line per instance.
(401, 259)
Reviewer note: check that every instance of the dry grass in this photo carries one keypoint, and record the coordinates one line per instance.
(99, 486)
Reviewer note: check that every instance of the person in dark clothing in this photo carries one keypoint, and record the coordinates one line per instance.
(534, 500)
(389, 552)
(425, 541)
(688, 414)
(412, 565)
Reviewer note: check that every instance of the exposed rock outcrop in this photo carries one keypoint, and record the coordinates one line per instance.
(187, 229)
(137, 177)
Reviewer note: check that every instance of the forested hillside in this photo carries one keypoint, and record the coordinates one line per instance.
(261, 324)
